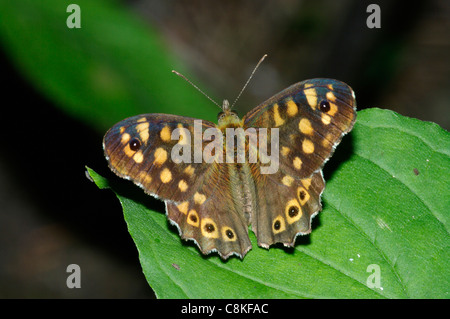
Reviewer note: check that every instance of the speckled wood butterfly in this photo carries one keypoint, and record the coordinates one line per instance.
(213, 199)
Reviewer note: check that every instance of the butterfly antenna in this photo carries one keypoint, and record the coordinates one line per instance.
(251, 75)
(195, 86)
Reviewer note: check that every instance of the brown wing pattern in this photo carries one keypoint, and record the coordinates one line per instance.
(311, 117)
(212, 218)
(214, 203)
(140, 149)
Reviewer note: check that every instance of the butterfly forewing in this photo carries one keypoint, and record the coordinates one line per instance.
(140, 149)
(311, 116)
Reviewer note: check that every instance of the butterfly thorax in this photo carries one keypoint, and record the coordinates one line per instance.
(231, 127)
(242, 187)
(228, 118)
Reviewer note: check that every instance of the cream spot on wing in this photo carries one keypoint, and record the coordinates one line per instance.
(306, 182)
(311, 97)
(165, 176)
(125, 138)
(199, 198)
(160, 156)
(330, 96)
(189, 170)
(287, 180)
(128, 152)
(285, 150)
(305, 126)
(297, 162)
(182, 185)
(326, 119)
(183, 207)
(292, 108)
(307, 146)
(276, 116)
(165, 134)
(333, 109)
(143, 131)
(138, 157)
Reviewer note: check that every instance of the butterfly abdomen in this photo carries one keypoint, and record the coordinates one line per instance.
(243, 189)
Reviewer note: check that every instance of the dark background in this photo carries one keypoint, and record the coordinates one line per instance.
(52, 216)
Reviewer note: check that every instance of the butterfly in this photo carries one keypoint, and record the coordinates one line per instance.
(216, 184)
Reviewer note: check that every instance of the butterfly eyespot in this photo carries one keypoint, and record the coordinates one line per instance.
(135, 144)
(293, 211)
(324, 106)
(209, 228)
(302, 195)
(193, 218)
(277, 225)
(229, 234)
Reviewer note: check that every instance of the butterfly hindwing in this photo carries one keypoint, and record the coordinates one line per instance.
(285, 207)
(212, 218)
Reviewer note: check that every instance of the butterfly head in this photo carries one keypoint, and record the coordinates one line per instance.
(228, 117)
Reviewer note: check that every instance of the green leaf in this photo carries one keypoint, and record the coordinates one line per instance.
(113, 67)
(386, 212)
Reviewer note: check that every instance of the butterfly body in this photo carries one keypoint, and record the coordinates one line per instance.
(263, 170)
